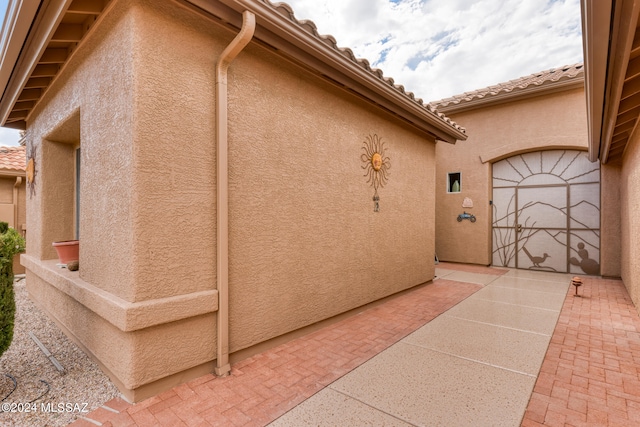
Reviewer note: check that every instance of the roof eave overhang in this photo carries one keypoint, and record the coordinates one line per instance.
(596, 17)
(608, 33)
(280, 32)
(274, 30)
(40, 25)
(515, 95)
(19, 17)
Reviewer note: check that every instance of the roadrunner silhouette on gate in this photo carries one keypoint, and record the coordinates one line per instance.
(536, 260)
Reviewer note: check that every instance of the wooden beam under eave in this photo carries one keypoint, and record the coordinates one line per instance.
(45, 70)
(624, 127)
(635, 47)
(633, 69)
(621, 142)
(68, 33)
(54, 56)
(628, 116)
(616, 159)
(629, 104)
(86, 7)
(630, 87)
(619, 137)
(37, 82)
(617, 151)
(617, 148)
(17, 115)
(18, 124)
(30, 95)
(23, 106)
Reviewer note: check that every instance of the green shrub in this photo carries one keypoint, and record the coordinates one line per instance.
(11, 243)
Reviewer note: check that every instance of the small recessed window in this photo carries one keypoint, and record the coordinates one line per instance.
(454, 183)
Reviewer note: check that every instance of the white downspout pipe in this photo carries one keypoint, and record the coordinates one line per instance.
(222, 154)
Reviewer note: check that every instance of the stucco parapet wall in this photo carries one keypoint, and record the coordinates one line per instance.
(544, 82)
(124, 315)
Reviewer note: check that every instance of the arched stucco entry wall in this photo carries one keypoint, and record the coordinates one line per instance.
(500, 127)
(546, 212)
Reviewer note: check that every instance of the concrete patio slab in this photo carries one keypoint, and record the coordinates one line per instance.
(508, 315)
(330, 408)
(523, 297)
(538, 275)
(478, 278)
(498, 346)
(425, 387)
(443, 272)
(543, 284)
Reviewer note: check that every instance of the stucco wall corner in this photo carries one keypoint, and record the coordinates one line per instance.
(554, 120)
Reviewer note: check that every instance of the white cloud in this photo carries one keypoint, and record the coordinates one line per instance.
(9, 137)
(442, 48)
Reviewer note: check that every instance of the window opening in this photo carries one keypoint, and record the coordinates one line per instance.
(454, 182)
(77, 185)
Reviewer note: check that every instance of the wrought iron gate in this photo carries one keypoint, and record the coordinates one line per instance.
(546, 212)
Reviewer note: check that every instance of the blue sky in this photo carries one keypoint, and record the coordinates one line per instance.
(437, 48)
(441, 48)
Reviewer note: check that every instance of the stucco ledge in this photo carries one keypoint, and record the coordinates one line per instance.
(124, 315)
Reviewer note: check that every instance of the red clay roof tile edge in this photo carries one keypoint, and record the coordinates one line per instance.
(310, 27)
(540, 79)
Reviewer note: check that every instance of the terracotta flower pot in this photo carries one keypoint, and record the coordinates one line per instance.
(67, 250)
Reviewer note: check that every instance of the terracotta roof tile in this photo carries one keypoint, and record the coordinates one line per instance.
(13, 158)
(310, 27)
(554, 75)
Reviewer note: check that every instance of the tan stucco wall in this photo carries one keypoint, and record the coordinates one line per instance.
(93, 96)
(173, 194)
(305, 243)
(146, 253)
(555, 120)
(610, 221)
(131, 359)
(630, 225)
(8, 212)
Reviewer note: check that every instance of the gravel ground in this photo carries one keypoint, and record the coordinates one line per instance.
(52, 398)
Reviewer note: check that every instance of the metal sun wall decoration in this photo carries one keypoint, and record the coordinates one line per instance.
(31, 170)
(376, 166)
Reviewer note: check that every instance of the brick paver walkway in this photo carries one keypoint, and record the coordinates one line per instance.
(265, 386)
(590, 375)
(591, 372)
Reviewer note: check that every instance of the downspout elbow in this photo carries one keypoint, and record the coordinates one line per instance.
(241, 40)
(236, 46)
